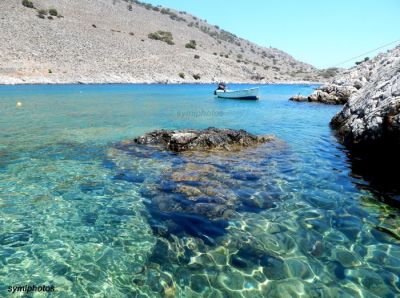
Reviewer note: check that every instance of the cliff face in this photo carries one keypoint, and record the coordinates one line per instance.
(372, 115)
(115, 41)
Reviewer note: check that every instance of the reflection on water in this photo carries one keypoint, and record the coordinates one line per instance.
(92, 218)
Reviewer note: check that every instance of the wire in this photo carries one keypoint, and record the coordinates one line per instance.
(388, 44)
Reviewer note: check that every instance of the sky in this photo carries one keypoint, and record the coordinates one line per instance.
(323, 33)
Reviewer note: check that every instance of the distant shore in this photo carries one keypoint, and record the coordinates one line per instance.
(13, 81)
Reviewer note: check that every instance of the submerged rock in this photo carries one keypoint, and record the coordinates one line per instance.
(205, 139)
(198, 190)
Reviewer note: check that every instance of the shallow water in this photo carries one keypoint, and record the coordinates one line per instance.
(79, 213)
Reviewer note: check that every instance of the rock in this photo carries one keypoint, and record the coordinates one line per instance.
(328, 94)
(196, 191)
(299, 98)
(372, 115)
(203, 140)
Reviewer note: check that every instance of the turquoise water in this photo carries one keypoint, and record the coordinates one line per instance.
(81, 212)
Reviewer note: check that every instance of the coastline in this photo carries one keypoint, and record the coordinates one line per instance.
(44, 81)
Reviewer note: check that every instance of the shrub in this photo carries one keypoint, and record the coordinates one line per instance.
(27, 3)
(42, 12)
(226, 56)
(215, 54)
(164, 36)
(131, 33)
(329, 73)
(50, 71)
(191, 44)
(181, 75)
(130, 8)
(53, 12)
(196, 77)
(239, 56)
(196, 57)
(365, 60)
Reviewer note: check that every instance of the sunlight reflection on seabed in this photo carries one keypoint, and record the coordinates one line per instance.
(80, 211)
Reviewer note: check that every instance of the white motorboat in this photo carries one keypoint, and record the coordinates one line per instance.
(252, 93)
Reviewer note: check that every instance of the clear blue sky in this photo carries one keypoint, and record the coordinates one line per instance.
(322, 33)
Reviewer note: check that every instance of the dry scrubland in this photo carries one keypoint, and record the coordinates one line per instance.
(116, 41)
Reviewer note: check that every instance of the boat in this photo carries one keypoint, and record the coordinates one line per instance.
(251, 93)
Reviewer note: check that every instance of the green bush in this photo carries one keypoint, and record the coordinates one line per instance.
(191, 44)
(181, 75)
(42, 12)
(329, 72)
(196, 57)
(164, 36)
(27, 3)
(196, 77)
(53, 12)
(365, 60)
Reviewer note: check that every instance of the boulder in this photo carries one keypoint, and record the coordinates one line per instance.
(299, 98)
(198, 190)
(201, 140)
(372, 115)
(328, 94)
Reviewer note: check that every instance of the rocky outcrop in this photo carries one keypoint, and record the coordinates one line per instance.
(206, 139)
(372, 115)
(347, 83)
(328, 94)
(196, 191)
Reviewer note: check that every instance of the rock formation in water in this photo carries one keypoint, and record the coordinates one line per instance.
(328, 94)
(205, 139)
(216, 175)
(372, 115)
(348, 83)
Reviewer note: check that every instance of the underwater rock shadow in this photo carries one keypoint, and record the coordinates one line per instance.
(379, 172)
(196, 193)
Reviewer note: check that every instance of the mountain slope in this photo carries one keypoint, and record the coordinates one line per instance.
(108, 41)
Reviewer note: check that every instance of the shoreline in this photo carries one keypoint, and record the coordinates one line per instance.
(23, 83)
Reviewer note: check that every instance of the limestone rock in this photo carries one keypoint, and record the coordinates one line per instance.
(328, 94)
(203, 140)
(372, 115)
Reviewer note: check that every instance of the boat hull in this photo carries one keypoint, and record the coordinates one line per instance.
(251, 94)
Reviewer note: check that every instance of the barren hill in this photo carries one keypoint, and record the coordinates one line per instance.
(66, 41)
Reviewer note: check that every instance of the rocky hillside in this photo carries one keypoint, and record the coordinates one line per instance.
(347, 82)
(372, 115)
(54, 41)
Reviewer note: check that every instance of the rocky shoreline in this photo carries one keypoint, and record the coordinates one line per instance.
(328, 94)
(44, 81)
(372, 115)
